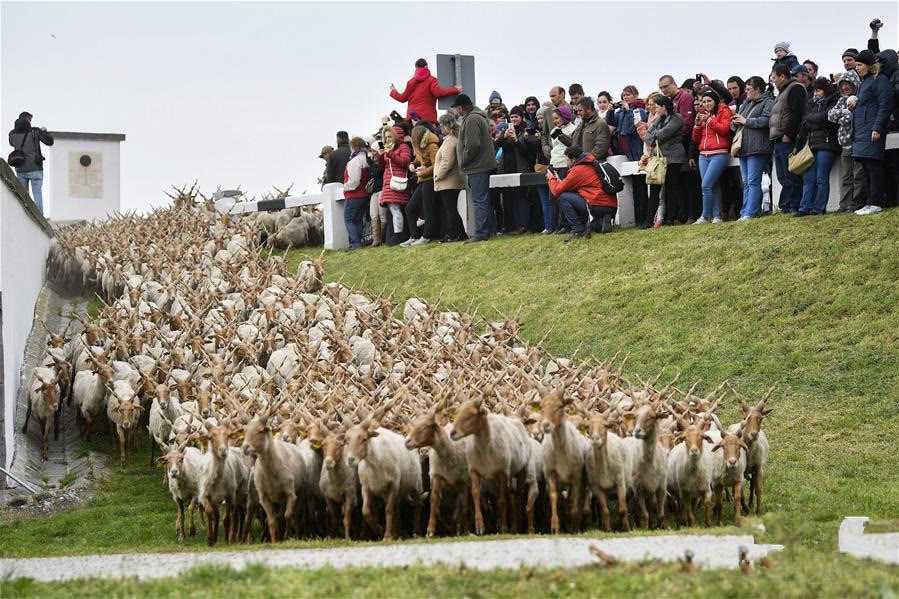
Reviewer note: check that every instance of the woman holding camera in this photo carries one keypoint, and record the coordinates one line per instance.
(519, 149)
(666, 130)
(821, 136)
(561, 125)
(630, 113)
(755, 146)
(711, 133)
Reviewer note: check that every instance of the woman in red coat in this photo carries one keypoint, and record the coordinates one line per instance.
(711, 133)
(422, 92)
(394, 159)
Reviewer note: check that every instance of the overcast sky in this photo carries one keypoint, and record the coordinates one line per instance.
(246, 93)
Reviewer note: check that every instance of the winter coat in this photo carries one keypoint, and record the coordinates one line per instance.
(755, 138)
(395, 164)
(546, 142)
(337, 162)
(713, 136)
(425, 155)
(891, 70)
(668, 131)
(790, 60)
(446, 167)
(33, 137)
(872, 113)
(817, 130)
(629, 142)
(557, 154)
(786, 116)
(683, 104)
(592, 135)
(840, 113)
(421, 93)
(583, 180)
(519, 153)
(475, 151)
(355, 176)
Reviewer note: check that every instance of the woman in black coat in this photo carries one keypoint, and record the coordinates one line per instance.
(821, 136)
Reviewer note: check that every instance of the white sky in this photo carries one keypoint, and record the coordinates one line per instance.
(246, 93)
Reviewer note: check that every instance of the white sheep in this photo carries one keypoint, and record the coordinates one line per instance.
(609, 467)
(223, 480)
(690, 470)
(183, 468)
(650, 462)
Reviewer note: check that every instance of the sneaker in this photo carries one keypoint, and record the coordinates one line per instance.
(870, 209)
(421, 241)
(562, 231)
(657, 225)
(717, 220)
(744, 218)
(546, 232)
(701, 221)
(408, 243)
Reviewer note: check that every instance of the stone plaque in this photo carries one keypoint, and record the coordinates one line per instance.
(86, 181)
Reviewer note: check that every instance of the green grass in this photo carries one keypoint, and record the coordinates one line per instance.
(809, 305)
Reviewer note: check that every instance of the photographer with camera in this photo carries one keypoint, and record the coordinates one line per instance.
(26, 156)
(519, 153)
(560, 120)
(581, 194)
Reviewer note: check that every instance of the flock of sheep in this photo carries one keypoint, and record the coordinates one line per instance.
(315, 410)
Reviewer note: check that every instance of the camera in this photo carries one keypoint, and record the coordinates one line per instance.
(555, 133)
(699, 77)
(616, 105)
(551, 169)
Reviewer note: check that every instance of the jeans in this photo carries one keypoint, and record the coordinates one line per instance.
(484, 217)
(751, 169)
(515, 204)
(710, 169)
(37, 179)
(816, 183)
(791, 185)
(353, 211)
(574, 207)
(546, 205)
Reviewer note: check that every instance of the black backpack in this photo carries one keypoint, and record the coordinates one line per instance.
(375, 176)
(17, 157)
(611, 180)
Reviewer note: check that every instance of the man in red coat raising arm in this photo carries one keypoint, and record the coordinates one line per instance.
(422, 92)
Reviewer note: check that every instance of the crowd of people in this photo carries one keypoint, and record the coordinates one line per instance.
(793, 124)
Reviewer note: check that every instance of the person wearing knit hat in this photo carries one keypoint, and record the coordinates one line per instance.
(849, 57)
(518, 111)
(565, 113)
(870, 119)
(519, 153)
(782, 55)
(560, 126)
(495, 98)
(531, 104)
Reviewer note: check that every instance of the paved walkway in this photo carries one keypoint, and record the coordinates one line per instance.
(709, 550)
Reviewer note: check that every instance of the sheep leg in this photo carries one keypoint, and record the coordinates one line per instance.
(707, 502)
(574, 507)
(56, 415)
(367, 513)
(179, 521)
(604, 509)
(333, 513)
(122, 442)
(347, 515)
(476, 499)
(271, 518)
(552, 483)
(533, 491)
(390, 519)
(623, 520)
(502, 504)
(661, 496)
(212, 528)
(45, 439)
(641, 509)
(719, 503)
(757, 483)
(748, 504)
(190, 514)
(436, 481)
(738, 499)
(290, 516)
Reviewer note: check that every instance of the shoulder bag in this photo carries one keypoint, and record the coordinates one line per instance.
(17, 157)
(656, 167)
(397, 183)
(801, 161)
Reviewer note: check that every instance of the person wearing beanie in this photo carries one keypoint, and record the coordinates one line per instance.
(394, 159)
(853, 190)
(422, 91)
(476, 158)
(495, 98)
(849, 57)
(870, 118)
(782, 55)
(531, 104)
(665, 135)
(519, 153)
(820, 134)
(559, 124)
(711, 133)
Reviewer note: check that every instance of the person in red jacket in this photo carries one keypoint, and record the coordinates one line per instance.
(581, 192)
(422, 92)
(711, 133)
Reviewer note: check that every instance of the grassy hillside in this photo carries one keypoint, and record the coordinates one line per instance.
(810, 305)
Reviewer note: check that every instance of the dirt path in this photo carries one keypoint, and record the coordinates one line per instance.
(710, 551)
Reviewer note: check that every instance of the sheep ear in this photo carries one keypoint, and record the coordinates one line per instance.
(766, 412)
(744, 446)
(341, 438)
(372, 433)
(567, 401)
(610, 425)
(717, 446)
(708, 439)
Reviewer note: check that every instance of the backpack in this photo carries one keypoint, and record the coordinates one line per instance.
(17, 157)
(375, 176)
(611, 180)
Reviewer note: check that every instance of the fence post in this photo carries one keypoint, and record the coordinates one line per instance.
(335, 231)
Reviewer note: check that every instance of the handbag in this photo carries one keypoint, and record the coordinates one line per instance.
(397, 183)
(656, 167)
(17, 157)
(737, 144)
(799, 162)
